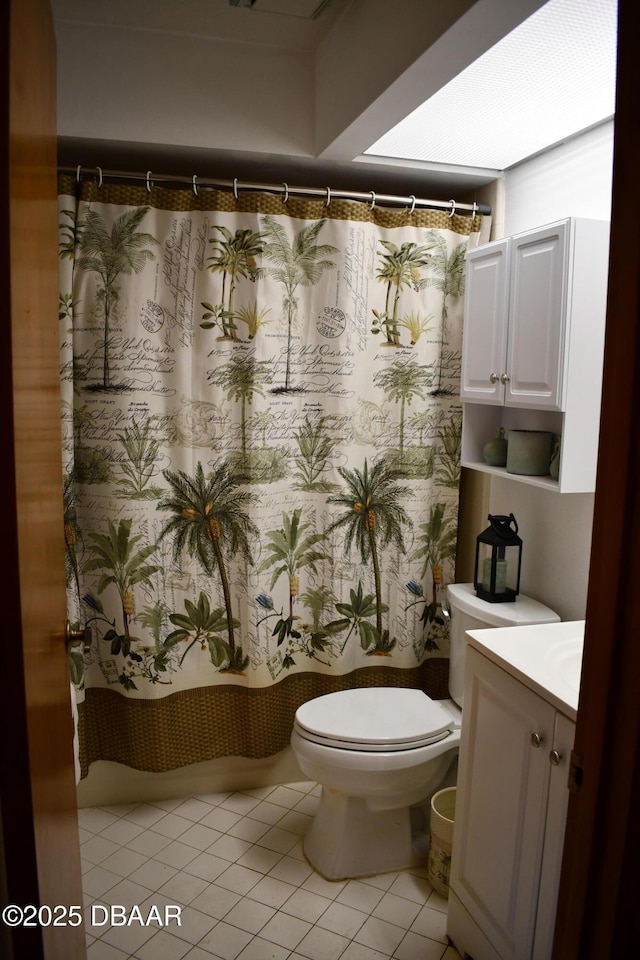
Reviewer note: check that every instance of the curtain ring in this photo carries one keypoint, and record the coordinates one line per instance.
(328, 196)
(235, 188)
(373, 199)
(413, 204)
(149, 183)
(195, 187)
(285, 189)
(78, 170)
(99, 169)
(453, 208)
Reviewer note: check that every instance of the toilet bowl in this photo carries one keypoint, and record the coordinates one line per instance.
(378, 752)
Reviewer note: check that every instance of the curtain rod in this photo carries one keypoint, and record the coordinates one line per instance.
(236, 185)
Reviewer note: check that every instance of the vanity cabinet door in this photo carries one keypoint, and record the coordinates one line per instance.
(484, 350)
(503, 786)
(559, 758)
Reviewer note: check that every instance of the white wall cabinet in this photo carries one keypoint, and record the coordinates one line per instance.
(532, 351)
(510, 817)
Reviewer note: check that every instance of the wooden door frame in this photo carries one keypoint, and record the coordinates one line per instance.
(597, 907)
(39, 842)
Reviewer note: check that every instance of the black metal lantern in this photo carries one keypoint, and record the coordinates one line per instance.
(498, 559)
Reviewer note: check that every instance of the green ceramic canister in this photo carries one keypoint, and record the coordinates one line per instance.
(529, 452)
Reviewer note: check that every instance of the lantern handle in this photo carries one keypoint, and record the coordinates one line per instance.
(501, 520)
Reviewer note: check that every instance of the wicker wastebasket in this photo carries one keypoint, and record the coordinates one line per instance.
(443, 812)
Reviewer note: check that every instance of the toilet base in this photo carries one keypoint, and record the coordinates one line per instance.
(348, 839)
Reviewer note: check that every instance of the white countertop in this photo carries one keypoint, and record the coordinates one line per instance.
(546, 657)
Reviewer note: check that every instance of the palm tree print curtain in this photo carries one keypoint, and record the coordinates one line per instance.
(261, 433)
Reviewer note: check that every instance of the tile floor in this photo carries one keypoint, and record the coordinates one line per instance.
(234, 864)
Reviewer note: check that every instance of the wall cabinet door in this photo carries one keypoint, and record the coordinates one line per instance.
(485, 323)
(502, 820)
(537, 310)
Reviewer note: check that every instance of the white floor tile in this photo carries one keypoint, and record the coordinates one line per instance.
(193, 809)
(268, 812)
(177, 853)
(238, 879)
(183, 887)
(358, 951)
(342, 919)
(248, 829)
(260, 859)
(171, 825)
(240, 803)
(296, 822)
(194, 924)
(163, 946)
(215, 902)
(226, 941)
(322, 945)
(380, 935)
(207, 867)
(285, 930)
(200, 836)
(100, 950)
(129, 939)
(249, 915)
(97, 880)
(145, 814)
(306, 905)
(431, 923)
(122, 832)
(271, 891)
(285, 796)
(124, 862)
(411, 887)
(98, 849)
(95, 819)
(149, 843)
(259, 949)
(220, 819)
(229, 848)
(279, 840)
(415, 947)
(291, 870)
(360, 895)
(397, 910)
(153, 874)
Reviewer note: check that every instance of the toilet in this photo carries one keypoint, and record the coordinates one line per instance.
(378, 752)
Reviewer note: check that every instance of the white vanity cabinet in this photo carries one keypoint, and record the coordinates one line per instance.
(510, 816)
(532, 349)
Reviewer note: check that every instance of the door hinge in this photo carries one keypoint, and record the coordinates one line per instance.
(576, 772)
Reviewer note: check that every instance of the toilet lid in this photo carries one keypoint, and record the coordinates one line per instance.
(374, 719)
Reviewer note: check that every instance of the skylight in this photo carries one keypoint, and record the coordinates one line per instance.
(545, 82)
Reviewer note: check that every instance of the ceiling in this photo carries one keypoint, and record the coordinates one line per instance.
(548, 80)
(472, 100)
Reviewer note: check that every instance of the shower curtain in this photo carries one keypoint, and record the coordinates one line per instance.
(261, 433)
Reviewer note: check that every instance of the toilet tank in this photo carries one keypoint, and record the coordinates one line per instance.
(469, 612)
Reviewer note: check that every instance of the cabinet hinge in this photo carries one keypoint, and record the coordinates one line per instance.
(576, 772)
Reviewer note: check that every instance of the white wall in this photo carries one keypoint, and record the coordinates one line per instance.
(572, 180)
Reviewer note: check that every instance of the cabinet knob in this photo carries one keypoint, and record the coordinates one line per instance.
(536, 740)
(555, 758)
(493, 378)
(504, 378)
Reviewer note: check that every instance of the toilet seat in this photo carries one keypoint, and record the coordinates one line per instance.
(374, 719)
